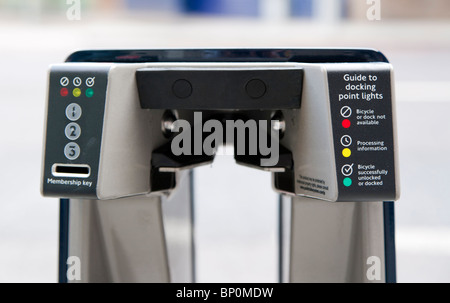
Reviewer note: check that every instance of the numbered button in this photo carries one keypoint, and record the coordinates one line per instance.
(72, 151)
(73, 131)
(73, 112)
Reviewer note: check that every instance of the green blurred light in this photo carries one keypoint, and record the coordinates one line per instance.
(89, 93)
(347, 182)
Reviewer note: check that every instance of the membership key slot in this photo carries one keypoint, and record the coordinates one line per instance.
(71, 170)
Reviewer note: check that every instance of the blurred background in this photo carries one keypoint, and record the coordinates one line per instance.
(236, 231)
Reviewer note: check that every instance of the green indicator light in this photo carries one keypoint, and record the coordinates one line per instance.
(347, 182)
(89, 93)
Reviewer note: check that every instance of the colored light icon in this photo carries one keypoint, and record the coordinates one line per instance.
(89, 93)
(347, 182)
(346, 152)
(77, 92)
(346, 123)
(64, 92)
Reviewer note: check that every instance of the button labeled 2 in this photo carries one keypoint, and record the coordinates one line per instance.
(72, 131)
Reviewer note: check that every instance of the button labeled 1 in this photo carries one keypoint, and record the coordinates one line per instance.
(72, 151)
(73, 112)
(73, 131)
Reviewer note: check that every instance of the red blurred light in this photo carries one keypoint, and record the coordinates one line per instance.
(64, 92)
(346, 123)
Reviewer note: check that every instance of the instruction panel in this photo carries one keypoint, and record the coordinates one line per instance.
(76, 105)
(361, 109)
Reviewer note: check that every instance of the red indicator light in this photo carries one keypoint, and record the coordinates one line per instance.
(346, 123)
(64, 92)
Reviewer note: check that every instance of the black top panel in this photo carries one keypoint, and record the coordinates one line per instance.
(321, 55)
(220, 89)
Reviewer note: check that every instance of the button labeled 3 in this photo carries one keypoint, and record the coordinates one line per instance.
(72, 151)
(73, 131)
(73, 112)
